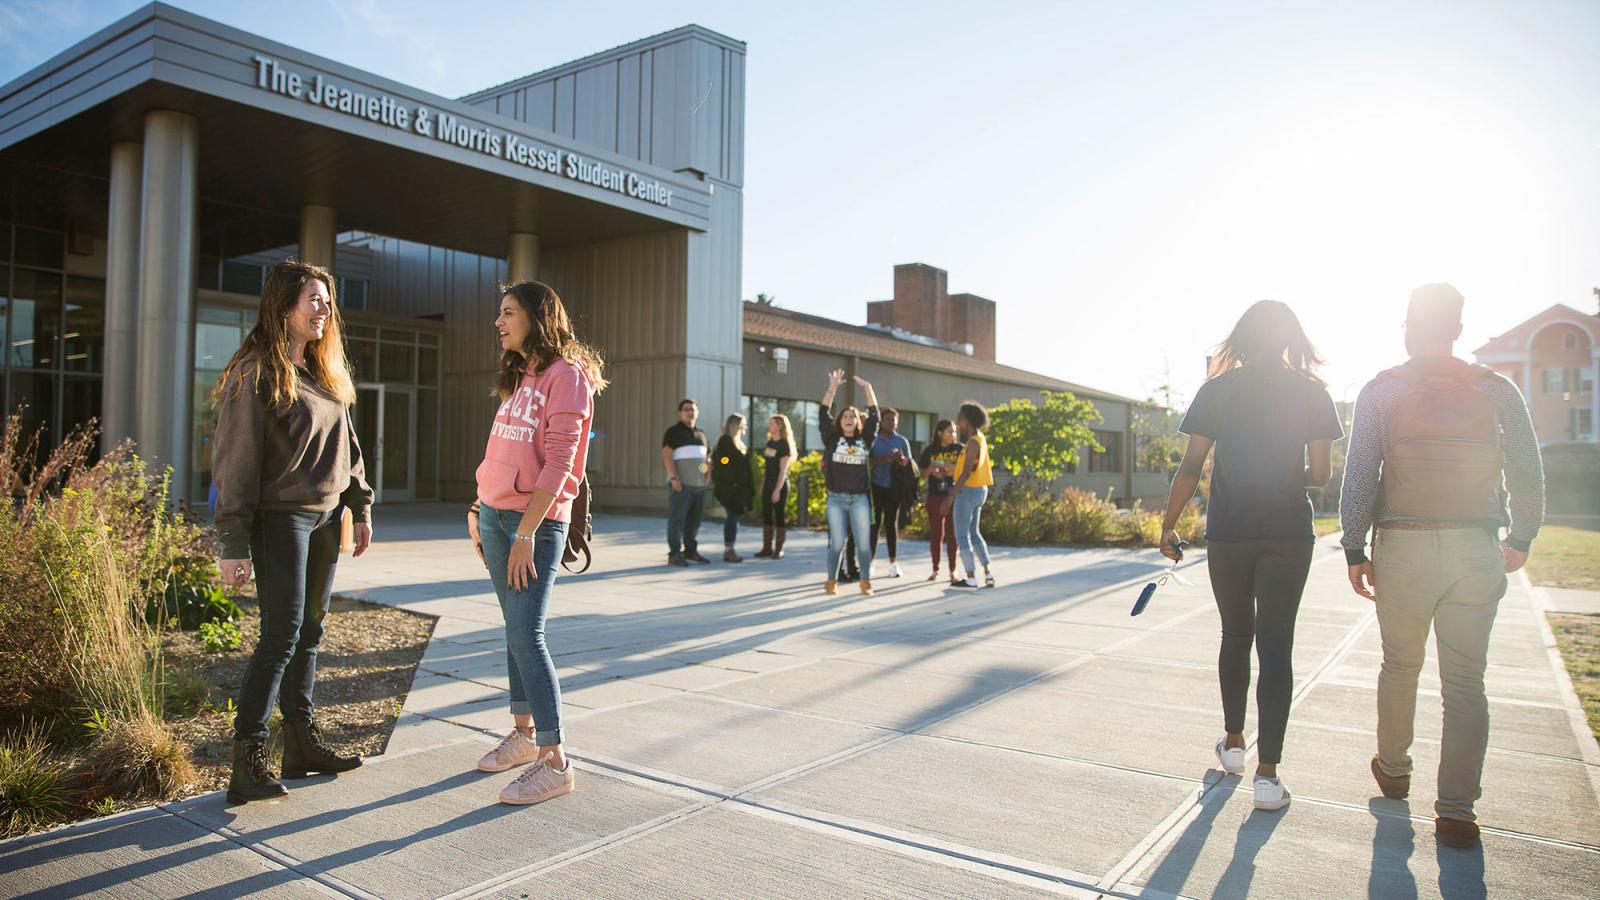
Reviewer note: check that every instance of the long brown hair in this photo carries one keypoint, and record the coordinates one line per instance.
(267, 344)
(1268, 332)
(785, 433)
(550, 338)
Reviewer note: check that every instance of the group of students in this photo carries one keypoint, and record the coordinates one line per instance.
(1442, 456)
(872, 481)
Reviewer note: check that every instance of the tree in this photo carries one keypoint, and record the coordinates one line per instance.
(1157, 443)
(1041, 442)
(765, 300)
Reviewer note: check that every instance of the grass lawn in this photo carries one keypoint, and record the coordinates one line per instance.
(1579, 640)
(1566, 556)
(1326, 525)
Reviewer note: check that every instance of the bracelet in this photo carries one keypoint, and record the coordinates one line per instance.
(519, 536)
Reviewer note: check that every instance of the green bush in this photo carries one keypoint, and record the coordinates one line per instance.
(193, 598)
(1082, 517)
(1022, 512)
(220, 637)
(35, 787)
(810, 466)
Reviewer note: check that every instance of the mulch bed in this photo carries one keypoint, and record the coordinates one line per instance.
(364, 668)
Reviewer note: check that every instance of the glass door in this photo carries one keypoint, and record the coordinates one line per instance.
(397, 444)
(385, 421)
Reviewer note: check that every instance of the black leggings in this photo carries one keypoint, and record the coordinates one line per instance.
(1258, 585)
(885, 518)
(774, 514)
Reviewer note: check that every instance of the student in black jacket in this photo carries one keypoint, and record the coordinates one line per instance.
(731, 482)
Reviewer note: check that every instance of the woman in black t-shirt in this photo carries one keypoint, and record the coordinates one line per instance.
(846, 452)
(779, 455)
(1267, 411)
(938, 462)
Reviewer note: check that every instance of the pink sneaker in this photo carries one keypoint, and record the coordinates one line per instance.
(538, 783)
(515, 749)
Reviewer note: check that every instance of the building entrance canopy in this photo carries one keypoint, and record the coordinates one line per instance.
(282, 129)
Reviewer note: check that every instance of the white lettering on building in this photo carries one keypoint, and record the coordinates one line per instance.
(271, 75)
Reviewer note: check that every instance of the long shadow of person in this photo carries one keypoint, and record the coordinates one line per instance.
(1393, 841)
(1253, 834)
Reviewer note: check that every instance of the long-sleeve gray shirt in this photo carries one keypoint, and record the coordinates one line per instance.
(1360, 501)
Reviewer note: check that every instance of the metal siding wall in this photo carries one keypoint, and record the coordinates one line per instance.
(595, 106)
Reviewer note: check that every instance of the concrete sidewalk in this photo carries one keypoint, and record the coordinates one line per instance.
(741, 734)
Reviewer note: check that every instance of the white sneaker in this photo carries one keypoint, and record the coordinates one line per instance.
(894, 570)
(538, 783)
(1232, 759)
(515, 749)
(1271, 794)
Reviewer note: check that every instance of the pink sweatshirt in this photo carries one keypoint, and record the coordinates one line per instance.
(540, 439)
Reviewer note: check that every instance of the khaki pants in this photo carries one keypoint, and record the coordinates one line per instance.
(1451, 579)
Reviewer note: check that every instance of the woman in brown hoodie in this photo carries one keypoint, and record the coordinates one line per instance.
(287, 463)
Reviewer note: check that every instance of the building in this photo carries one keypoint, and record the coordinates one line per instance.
(925, 350)
(150, 171)
(1553, 357)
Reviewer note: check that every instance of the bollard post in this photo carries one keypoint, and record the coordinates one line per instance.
(803, 514)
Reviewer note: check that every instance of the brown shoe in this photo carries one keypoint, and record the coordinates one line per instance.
(1458, 833)
(831, 588)
(1395, 787)
(866, 587)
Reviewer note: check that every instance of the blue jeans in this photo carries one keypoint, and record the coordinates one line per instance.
(294, 554)
(730, 528)
(968, 508)
(853, 512)
(535, 690)
(684, 509)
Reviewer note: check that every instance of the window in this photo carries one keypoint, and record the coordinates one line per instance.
(1555, 381)
(1109, 459)
(802, 418)
(352, 293)
(1582, 424)
(1569, 341)
(1586, 379)
(241, 278)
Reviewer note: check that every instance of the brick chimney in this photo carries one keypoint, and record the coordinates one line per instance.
(973, 323)
(923, 305)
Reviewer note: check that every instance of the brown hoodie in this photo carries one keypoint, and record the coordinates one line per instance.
(302, 457)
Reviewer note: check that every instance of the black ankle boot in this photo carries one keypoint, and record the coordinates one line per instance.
(304, 752)
(252, 777)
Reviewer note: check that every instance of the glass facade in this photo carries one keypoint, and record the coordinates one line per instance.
(802, 418)
(52, 333)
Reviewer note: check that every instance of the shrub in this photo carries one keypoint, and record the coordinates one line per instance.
(192, 596)
(1017, 514)
(220, 637)
(1082, 517)
(140, 758)
(810, 466)
(36, 788)
(186, 691)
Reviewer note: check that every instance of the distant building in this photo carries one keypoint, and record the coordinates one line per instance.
(1552, 357)
(924, 351)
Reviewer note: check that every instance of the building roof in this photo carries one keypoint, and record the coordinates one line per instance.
(815, 332)
(1516, 340)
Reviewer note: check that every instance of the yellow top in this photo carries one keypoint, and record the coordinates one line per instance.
(982, 474)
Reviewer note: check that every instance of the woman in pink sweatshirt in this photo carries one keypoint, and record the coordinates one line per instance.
(530, 474)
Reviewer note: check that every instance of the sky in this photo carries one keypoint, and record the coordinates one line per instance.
(1122, 179)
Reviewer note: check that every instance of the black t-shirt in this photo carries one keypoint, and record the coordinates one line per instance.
(773, 453)
(1261, 419)
(846, 459)
(689, 454)
(946, 456)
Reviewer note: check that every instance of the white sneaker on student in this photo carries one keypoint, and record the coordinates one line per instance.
(1271, 794)
(894, 570)
(1231, 758)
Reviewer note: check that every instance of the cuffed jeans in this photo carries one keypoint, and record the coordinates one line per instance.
(534, 687)
(1452, 579)
(684, 509)
(849, 514)
(293, 554)
(1258, 586)
(968, 508)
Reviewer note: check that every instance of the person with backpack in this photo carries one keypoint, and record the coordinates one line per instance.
(731, 482)
(532, 471)
(1269, 416)
(1442, 456)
